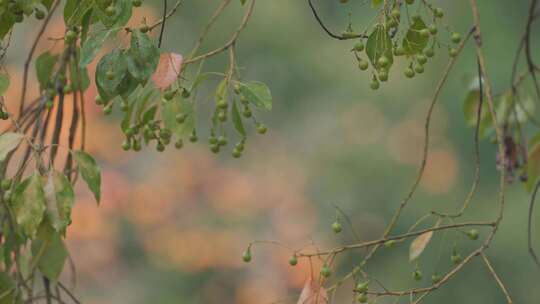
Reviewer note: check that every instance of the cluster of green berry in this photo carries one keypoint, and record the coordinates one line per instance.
(17, 10)
(6, 184)
(361, 290)
(387, 42)
(151, 130)
(148, 128)
(221, 110)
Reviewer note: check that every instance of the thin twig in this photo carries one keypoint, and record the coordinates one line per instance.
(31, 54)
(164, 18)
(496, 278)
(327, 30)
(392, 238)
(231, 41)
(529, 225)
(171, 12)
(219, 10)
(69, 293)
(476, 178)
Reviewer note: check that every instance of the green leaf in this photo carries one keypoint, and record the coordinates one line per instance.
(90, 172)
(148, 95)
(376, 3)
(93, 45)
(115, 63)
(75, 10)
(10, 240)
(470, 111)
(243, 2)
(85, 25)
(4, 84)
(131, 100)
(44, 68)
(379, 44)
(127, 86)
(237, 120)
(414, 42)
(60, 198)
(142, 56)
(49, 253)
(138, 100)
(221, 91)
(8, 142)
(7, 21)
(29, 204)
(169, 110)
(8, 289)
(149, 114)
(258, 94)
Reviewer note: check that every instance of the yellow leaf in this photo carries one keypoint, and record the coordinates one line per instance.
(313, 293)
(419, 244)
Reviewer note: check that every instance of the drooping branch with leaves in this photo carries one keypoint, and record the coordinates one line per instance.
(155, 91)
(156, 94)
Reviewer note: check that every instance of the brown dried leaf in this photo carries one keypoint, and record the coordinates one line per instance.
(313, 293)
(168, 69)
(419, 244)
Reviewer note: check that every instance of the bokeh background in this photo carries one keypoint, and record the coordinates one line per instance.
(172, 226)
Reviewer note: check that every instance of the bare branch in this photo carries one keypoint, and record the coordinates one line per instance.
(496, 278)
(327, 30)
